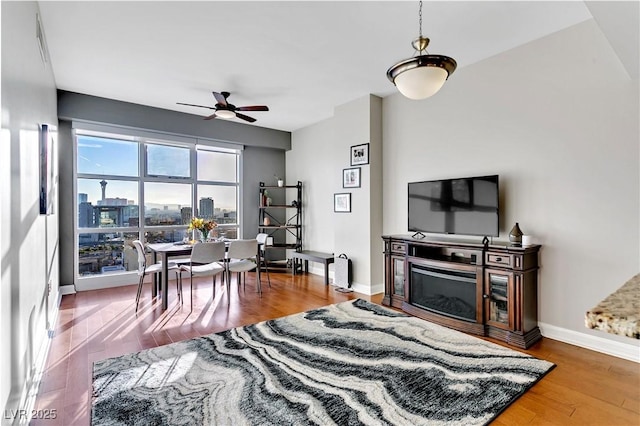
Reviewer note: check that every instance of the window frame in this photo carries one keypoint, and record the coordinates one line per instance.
(143, 141)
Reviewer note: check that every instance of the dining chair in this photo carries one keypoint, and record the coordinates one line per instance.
(144, 269)
(206, 259)
(262, 260)
(242, 258)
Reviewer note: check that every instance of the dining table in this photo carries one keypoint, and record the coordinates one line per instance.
(166, 251)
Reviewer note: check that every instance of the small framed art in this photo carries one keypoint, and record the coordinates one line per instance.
(360, 154)
(342, 202)
(351, 177)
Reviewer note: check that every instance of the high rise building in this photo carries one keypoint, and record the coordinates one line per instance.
(85, 215)
(113, 202)
(82, 198)
(186, 213)
(205, 208)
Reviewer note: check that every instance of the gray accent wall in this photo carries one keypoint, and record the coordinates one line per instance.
(28, 241)
(75, 106)
(263, 155)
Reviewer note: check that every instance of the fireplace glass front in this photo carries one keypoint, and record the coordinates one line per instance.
(445, 292)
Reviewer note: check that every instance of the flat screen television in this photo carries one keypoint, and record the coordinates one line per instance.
(465, 206)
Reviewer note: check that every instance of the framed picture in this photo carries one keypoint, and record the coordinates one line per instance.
(360, 154)
(46, 170)
(342, 202)
(351, 177)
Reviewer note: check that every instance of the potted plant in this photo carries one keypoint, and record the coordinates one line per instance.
(280, 181)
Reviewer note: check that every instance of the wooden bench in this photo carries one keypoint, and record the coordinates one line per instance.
(313, 256)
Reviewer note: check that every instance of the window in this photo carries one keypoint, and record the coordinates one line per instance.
(169, 161)
(102, 156)
(130, 187)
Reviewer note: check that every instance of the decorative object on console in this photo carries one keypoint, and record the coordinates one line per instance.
(360, 154)
(421, 76)
(515, 235)
(527, 240)
(352, 362)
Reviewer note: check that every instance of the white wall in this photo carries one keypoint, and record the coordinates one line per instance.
(28, 241)
(318, 156)
(557, 119)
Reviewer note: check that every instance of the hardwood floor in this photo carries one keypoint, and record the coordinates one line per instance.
(586, 387)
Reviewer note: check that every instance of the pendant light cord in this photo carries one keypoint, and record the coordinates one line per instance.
(420, 19)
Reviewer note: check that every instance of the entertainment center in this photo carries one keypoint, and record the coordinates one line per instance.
(483, 289)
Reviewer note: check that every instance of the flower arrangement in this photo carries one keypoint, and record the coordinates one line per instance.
(202, 225)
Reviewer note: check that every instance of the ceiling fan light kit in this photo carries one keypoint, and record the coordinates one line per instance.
(225, 113)
(423, 75)
(228, 111)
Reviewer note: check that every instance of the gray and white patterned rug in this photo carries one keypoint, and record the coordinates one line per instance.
(349, 363)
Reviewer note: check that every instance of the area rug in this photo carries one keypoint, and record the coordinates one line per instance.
(349, 363)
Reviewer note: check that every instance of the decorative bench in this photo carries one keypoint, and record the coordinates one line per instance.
(313, 256)
(618, 313)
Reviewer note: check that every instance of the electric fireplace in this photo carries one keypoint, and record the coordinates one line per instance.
(444, 292)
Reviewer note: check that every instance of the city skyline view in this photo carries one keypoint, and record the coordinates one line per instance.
(113, 175)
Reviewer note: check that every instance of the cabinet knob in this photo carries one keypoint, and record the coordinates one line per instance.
(485, 296)
(498, 259)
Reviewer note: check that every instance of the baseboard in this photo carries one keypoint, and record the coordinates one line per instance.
(357, 287)
(67, 289)
(32, 386)
(594, 343)
(108, 281)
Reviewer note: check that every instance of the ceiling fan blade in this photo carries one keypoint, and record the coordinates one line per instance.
(245, 117)
(253, 108)
(211, 116)
(220, 98)
(201, 106)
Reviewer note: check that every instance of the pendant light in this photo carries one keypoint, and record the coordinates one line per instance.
(423, 75)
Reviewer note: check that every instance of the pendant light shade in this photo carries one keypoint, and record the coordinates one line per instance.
(423, 75)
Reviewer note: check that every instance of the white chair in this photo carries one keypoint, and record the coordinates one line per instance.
(242, 258)
(144, 269)
(206, 259)
(262, 260)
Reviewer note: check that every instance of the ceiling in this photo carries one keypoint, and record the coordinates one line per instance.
(300, 58)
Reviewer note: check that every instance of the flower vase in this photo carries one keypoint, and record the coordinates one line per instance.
(204, 235)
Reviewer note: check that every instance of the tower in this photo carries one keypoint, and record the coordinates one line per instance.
(103, 184)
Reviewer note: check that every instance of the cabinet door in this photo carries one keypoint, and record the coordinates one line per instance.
(499, 299)
(397, 276)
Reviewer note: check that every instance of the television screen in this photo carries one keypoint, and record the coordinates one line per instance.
(466, 206)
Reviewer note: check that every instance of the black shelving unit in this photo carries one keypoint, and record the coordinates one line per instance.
(283, 218)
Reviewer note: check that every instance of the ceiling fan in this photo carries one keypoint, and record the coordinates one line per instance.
(223, 109)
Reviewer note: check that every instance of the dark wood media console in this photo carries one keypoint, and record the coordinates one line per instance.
(484, 290)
